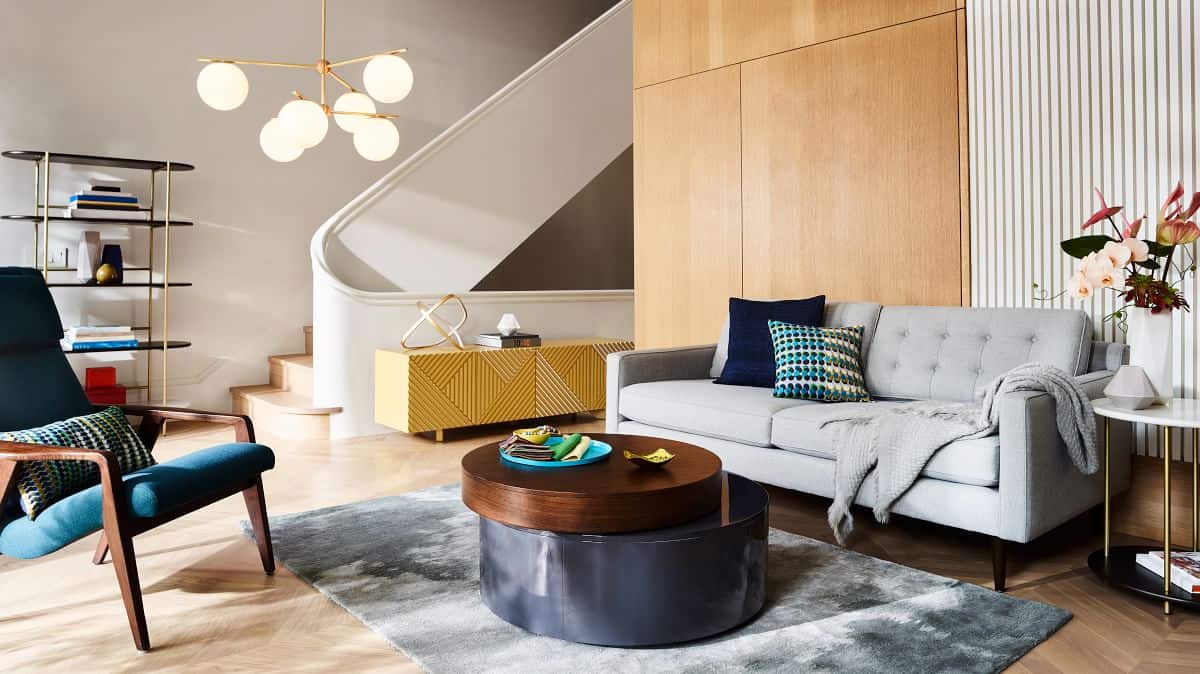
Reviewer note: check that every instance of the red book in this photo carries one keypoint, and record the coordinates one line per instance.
(100, 377)
(109, 395)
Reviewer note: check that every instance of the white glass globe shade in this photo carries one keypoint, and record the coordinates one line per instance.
(276, 143)
(376, 139)
(222, 85)
(352, 101)
(388, 78)
(304, 121)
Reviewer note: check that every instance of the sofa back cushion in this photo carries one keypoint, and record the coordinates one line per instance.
(947, 353)
(837, 315)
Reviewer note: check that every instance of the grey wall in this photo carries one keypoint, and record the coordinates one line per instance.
(586, 245)
(119, 78)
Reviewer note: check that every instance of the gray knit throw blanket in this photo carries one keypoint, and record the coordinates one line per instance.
(898, 441)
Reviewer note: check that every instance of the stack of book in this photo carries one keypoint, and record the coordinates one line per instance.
(1185, 568)
(515, 340)
(105, 201)
(99, 338)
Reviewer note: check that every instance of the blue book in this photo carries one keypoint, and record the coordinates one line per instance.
(103, 197)
(101, 346)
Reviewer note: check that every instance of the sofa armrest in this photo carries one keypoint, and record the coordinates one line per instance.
(626, 368)
(1040, 488)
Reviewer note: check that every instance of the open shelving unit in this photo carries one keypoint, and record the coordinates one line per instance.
(160, 223)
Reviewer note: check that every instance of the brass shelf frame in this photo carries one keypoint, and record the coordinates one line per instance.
(41, 219)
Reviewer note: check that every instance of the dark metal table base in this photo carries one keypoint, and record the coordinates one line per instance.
(640, 589)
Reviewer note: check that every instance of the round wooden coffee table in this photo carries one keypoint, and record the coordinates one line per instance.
(616, 554)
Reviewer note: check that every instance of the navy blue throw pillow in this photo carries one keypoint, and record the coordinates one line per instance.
(751, 360)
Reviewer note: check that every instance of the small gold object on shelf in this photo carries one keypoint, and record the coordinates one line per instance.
(429, 315)
(106, 274)
(654, 459)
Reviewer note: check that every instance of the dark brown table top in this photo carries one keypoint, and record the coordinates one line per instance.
(610, 496)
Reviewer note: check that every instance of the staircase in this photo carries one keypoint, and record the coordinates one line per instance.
(284, 408)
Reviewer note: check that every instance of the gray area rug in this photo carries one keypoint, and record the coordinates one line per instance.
(407, 566)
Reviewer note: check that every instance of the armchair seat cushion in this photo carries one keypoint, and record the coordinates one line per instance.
(150, 492)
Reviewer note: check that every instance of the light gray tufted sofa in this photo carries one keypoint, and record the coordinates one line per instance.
(1013, 486)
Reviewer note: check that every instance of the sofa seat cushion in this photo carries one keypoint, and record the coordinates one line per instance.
(974, 462)
(150, 492)
(737, 413)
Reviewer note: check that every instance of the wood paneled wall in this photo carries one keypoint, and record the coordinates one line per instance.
(785, 148)
(687, 194)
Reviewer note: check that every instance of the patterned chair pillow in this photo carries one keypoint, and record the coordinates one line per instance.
(41, 483)
(816, 363)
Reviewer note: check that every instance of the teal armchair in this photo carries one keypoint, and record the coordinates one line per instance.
(37, 386)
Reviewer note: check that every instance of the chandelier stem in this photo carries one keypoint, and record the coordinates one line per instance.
(324, 62)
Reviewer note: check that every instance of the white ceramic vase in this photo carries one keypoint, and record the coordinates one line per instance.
(508, 325)
(1149, 338)
(87, 260)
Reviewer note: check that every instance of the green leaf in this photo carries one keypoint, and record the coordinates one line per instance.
(1149, 264)
(1157, 249)
(1082, 246)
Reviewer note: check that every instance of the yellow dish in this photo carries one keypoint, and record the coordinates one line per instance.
(656, 458)
(537, 436)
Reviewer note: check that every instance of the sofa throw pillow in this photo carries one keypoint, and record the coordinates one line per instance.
(815, 363)
(41, 483)
(751, 358)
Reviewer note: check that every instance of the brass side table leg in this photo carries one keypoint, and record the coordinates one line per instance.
(1107, 521)
(1166, 450)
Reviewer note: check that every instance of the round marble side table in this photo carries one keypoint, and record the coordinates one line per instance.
(1119, 564)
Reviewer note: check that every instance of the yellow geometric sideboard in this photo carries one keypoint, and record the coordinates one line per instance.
(433, 389)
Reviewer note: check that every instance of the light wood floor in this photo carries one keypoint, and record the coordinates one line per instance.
(210, 608)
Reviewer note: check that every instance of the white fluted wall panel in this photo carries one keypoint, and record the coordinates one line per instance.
(1065, 95)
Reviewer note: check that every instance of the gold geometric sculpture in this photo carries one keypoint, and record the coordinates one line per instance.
(445, 387)
(429, 315)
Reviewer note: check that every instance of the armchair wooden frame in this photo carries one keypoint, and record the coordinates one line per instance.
(119, 527)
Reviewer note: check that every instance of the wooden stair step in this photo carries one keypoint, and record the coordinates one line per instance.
(282, 400)
(308, 339)
(292, 372)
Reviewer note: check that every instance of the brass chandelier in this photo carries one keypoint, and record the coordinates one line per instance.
(303, 122)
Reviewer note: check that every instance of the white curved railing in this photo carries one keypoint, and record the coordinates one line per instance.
(443, 218)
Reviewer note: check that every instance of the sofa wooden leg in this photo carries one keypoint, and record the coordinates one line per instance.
(101, 549)
(256, 507)
(999, 563)
(131, 590)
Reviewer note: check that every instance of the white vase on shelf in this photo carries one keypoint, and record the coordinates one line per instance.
(508, 325)
(1149, 337)
(88, 257)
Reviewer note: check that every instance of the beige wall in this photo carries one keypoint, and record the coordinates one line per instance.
(787, 149)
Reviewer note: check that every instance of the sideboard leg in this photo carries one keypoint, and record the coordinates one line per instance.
(439, 435)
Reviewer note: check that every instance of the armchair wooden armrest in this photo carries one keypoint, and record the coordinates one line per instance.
(13, 452)
(153, 418)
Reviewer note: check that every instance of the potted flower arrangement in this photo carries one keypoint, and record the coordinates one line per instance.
(1146, 275)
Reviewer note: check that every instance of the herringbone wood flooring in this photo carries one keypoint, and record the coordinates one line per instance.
(210, 608)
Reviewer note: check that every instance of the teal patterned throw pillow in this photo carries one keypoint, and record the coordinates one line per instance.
(41, 483)
(815, 363)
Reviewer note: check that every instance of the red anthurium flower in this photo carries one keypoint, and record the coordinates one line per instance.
(1132, 228)
(1177, 232)
(1105, 211)
(1172, 199)
(1192, 207)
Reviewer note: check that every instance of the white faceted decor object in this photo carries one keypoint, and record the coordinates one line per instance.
(376, 139)
(222, 86)
(388, 78)
(88, 258)
(508, 325)
(277, 143)
(304, 121)
(1131, 389)
(1149, 338)
(352, 101)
